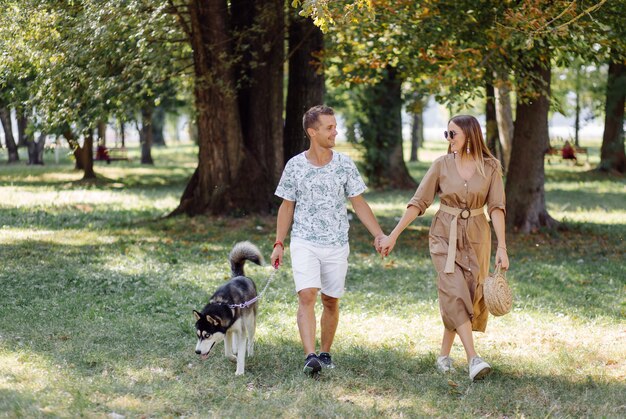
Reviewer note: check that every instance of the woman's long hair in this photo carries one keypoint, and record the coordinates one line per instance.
(474, 137)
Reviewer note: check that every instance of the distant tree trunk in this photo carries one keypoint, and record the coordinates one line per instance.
(306, 80)
(492, 140)
(35, 149)
(612, 153)
(504, 116)
(417, 130)
(76, 148)
(577, 117)
(5, 118)
(382, 135)
(22, 124)
(87, 156)
(158, 123)
(240, 133)
(102, 133)
(526, 206)
(123, 133)
(146, 135)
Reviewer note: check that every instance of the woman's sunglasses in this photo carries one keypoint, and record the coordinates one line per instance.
(449, 133)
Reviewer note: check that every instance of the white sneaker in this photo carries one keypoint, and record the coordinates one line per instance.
(478, 369)
(444, 364)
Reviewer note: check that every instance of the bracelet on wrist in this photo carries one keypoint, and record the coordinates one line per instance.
(279, 243)
(502, 247)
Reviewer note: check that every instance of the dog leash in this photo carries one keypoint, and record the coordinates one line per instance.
(258, 297)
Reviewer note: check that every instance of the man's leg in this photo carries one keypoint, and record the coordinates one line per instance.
(306, 318)
(329, 321)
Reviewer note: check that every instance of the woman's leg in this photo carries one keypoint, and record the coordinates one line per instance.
(447, 341)
(465, 333)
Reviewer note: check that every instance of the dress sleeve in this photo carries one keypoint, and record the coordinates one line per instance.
(495, 196)
(428, 187)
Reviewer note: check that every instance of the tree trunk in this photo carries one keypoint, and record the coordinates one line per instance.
(306, 80)
(417, 130)
(158, 124)
(612, 153)
(146, 135)
(577, 118)
(87, 156)
(76, 148)
(504, 117)
(236, 173)
(492, 136)
(382, 135)
(102, 133)
(123, 133)
(261, 101)
(35, 149)
(526, 207)
(5, 118)
(22, 124)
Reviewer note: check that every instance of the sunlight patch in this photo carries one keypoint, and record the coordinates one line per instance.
(60, 237)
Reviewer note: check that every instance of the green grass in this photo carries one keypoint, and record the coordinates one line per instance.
(97, 293)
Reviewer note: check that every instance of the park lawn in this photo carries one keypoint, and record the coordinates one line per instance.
(97, 292)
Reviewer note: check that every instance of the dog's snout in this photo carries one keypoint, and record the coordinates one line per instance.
(198, 351)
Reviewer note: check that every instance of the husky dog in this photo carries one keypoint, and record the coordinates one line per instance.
(225, 318)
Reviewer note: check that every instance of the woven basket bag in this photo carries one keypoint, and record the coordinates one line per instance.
(498, 296)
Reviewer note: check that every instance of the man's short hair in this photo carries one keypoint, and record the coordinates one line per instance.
(311, 117)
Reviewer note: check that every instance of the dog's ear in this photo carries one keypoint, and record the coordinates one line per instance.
(197, 315)
(212, 320)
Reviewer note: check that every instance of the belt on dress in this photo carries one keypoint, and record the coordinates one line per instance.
(464, 213)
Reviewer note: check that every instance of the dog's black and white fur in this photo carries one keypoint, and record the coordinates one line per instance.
(235, 326)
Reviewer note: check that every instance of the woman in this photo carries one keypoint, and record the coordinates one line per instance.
(466, 179)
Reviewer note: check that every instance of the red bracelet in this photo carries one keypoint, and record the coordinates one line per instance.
(281, 244)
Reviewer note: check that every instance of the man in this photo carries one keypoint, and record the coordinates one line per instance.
(314, 187)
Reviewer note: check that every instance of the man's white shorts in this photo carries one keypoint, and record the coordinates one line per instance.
(318, 267)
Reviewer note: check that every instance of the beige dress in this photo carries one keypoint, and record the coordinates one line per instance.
(461, 292)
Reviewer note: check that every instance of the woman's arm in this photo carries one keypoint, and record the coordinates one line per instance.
(497, 218)
(387, 243)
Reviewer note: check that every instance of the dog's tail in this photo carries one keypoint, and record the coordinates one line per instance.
(241, 252)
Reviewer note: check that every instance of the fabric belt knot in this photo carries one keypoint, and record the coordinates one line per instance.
(464, 213)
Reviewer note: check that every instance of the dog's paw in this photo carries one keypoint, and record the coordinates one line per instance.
(239, 372)
(232, 358)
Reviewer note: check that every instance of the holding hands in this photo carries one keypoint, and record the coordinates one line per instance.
(384, 244)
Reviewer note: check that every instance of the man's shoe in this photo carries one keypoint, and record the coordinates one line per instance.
(326, 360)
(478, 369)
(444, 364)
(312, 364)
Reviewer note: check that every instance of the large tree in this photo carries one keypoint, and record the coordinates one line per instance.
(238, 53)
(610, 40)
(306, 79)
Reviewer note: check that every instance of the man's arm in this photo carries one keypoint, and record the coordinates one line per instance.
(365, 214)
(283, 223)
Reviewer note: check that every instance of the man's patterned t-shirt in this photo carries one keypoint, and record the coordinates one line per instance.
(320, 193)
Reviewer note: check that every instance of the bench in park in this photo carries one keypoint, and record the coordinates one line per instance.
(551, 152)
(112, 154)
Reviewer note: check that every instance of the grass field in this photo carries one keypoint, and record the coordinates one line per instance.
(97, 292)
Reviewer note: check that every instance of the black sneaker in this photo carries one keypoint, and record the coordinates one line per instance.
(312, 364)
(326, 360)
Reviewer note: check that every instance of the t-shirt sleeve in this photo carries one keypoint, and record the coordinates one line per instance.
(287, 186)
(428, 187)
(354, 184)
(495, 196)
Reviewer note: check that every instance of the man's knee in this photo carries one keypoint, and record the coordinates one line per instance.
(307, 296)
(330, 303)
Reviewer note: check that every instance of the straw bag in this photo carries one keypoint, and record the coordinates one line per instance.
(498, 297)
